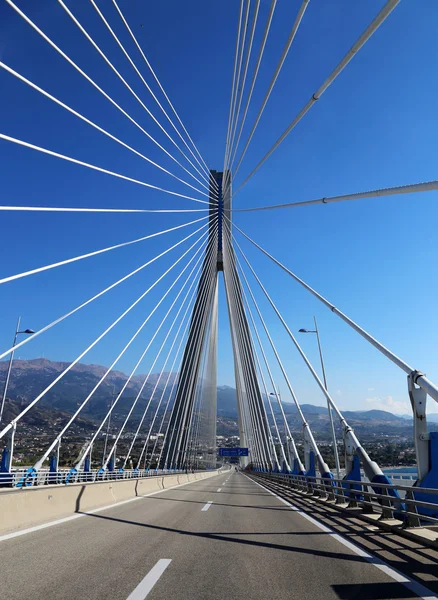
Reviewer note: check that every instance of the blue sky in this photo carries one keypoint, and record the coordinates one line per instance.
(375, 127)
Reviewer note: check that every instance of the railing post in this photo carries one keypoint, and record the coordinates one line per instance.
(411, 507)
(6, 475)
(54, 464)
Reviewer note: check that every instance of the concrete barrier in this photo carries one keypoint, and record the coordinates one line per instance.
(21, 508)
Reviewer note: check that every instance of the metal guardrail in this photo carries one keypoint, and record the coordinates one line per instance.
(31, 478)
(392, 501)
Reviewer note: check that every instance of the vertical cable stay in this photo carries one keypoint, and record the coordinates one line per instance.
(40, 462)
(240, 81)
(95, 126)
(95, 253)
(123, 80)
(95, 167)
(254, 79)
(91, 81)
(134, 66)
(280, 64)
(205, 166)
(97, 340)
(374, 25)
(233, 84)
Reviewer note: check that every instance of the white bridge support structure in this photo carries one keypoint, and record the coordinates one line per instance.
(253, 422)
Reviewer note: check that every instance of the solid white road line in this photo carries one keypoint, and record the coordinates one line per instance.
(207, 506)
(219, 489)
(414, 586)
(14, 534)
(145, 586)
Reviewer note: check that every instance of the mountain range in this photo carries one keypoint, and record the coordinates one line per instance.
(30, 377)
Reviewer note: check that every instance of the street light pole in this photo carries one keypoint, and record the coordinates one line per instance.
(11, 358)
(335, 445)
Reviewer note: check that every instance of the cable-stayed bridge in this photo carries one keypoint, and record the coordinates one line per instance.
(167, 516)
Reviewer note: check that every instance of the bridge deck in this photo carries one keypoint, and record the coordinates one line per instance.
(247, 544)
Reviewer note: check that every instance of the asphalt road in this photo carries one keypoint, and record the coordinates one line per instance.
(193, 542)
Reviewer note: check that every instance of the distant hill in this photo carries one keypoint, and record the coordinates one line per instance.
(30, 377)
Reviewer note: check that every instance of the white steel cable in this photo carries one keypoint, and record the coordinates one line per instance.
(40, 462)
(95, 126)
(171, 369)
(160, 349)
(241, 391)
(374, 25)
(96, 341)
(193, 436)
(420, 379)
(261, 373)
(137, 365)
(283, 322)
(208, 273)
(254, 78)
(134, 66)
(123, 80)
(233, 82)
(242, 382)
(160, 86)
(158, 354)
(280, 64)
(268, 397)
(93, 83)
(259, 416)
(240, 82)
(195, 317)
(412, 188)
(99, 210)
(94, 167)
(27, 339)
(95, 253)
(189, 383)
(306, 426)
(245, 71)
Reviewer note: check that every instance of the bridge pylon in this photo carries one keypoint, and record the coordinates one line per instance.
(202, 336)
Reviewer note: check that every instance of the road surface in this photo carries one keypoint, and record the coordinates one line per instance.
(220, 538)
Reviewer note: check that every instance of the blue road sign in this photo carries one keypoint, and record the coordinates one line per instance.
(233, 451)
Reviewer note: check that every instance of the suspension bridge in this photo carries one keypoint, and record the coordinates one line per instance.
(145, 506)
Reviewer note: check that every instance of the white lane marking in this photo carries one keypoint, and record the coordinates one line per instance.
(412, 585)
(219, 489)
(207, 506)
(10, 536)
(146, 584)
